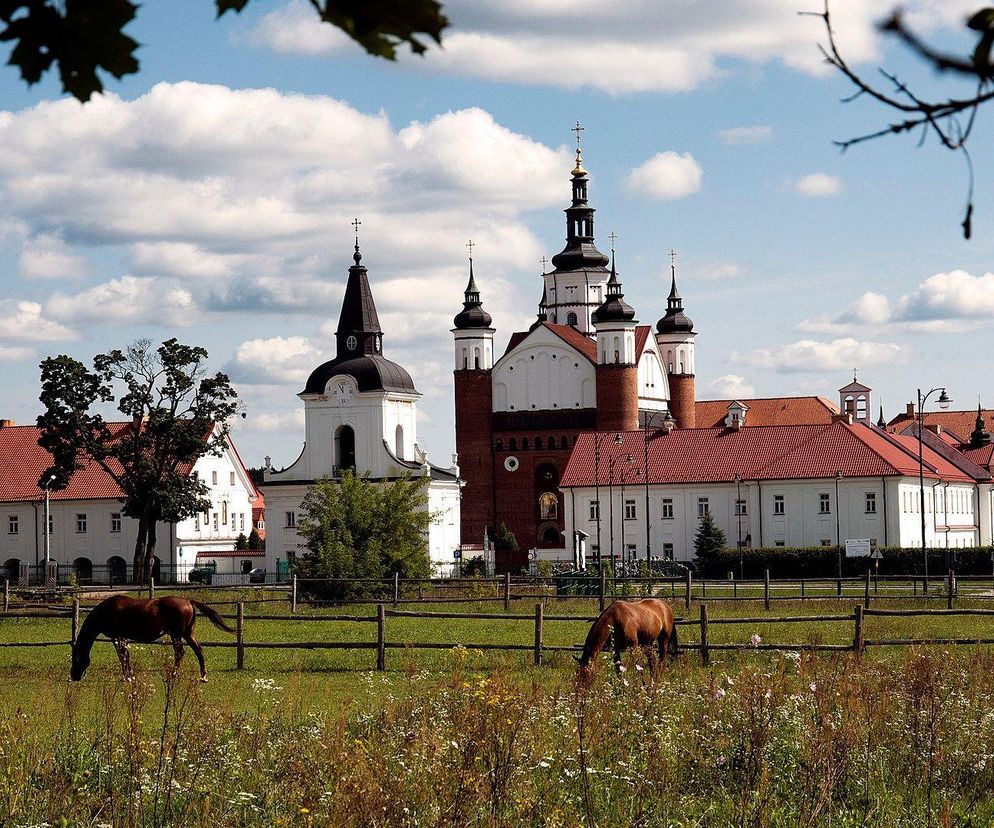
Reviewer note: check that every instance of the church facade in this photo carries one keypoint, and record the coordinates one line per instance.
(586, 364)
(360, 416)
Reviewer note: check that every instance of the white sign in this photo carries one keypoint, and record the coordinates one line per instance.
(857, 547)
(877, 555)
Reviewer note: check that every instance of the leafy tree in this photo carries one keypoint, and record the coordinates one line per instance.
(81, 37)
(710, 538)
(241, 542)
(254, 541)
(358, 529)
(176, 413)
(504, 540)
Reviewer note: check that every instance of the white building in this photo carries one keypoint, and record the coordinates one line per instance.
(360, 415)
(90, 533)
(807, 485)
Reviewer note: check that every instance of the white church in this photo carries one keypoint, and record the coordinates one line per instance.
(360, 415)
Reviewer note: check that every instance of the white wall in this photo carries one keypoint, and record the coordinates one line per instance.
(543, 373)
(654, 388)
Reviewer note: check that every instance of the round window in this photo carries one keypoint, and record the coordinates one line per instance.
(511, 464)
(351, 343)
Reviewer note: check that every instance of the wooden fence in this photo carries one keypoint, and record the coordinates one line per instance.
(703, 623)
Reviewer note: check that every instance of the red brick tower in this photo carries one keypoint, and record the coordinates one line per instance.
(617, 368)
(474, 347)
(675, 338)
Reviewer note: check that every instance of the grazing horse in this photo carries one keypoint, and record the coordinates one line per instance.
(631, 623)
(123, 619)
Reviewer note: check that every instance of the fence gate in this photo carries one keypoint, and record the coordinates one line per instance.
(22, 575)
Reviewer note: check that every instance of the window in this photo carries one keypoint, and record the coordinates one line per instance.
(778, 543)
(231, 478)
(826, 541)
(824, 504)
(246, 567)
(595, 510)
(291, 520)
(215, 521)
(571, 319)
(667, 508)
(261, 525)
(740, 507)
(871, 503)
(214, 477)
(703, 507)
(778, 505)
(224, 512)
(548, 506)
(630, 510)
(241, 521)
(630, 551)
(668, 551)
(13, 525)
(81, 524)
(115, 521)
(196, 522)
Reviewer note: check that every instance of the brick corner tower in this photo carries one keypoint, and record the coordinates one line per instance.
(474, 362)
(675, 338)
(617, 363)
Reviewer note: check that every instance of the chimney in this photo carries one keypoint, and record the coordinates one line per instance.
(935, 429)
(910, 412)
(846, 418)
(736, 424)
(6, 423)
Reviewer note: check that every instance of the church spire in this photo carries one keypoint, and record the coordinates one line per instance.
(980, 436)
(675, 320)
(472, 314)
(614, 308)
(881, 421)
(579, 252)
(359, 331)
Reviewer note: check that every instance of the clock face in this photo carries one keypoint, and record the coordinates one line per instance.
(341, 391)
(351, 343)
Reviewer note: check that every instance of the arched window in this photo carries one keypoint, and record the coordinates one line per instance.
(564, 442)
(12, 570)
(118, 569)
(861, 407)
(476, 358)
(538, 444)
(83, 569)
(548, 506)
(513, 445)
(524, 444)
(571, 319)
(224, 512)
(344, 450)
(399, 442)
(551, 538)
(499, 444)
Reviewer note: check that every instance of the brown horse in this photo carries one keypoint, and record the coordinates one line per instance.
(123, 619)
(631, 623)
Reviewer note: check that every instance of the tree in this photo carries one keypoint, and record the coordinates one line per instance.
(241, 542)
(504, 540)
(254, 541)
(176, 413)
(355, 528)
(710, 538)
(81, 37)
(950, 120)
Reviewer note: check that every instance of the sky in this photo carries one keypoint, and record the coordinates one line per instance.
(210, 197)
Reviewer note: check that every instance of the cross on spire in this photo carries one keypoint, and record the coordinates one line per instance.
(577, 129)
(672, 259)
(355, 224)
(470, 245)
(613, 237)
(545, 263)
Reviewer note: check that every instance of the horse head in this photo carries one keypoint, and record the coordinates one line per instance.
(80, 661)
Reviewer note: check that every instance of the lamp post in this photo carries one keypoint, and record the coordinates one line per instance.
(48, 539)
(944, 401)
(624, 516)
(738, 518)
(598, 439)
(838, 509)
(667, 422)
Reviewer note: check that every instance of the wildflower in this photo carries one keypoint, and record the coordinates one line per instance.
(719, 693)
(813, 686)
(305, 810)
(755, 640)
(639, 667)
(622, 668)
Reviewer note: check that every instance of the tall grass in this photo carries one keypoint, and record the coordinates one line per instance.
(792, 741)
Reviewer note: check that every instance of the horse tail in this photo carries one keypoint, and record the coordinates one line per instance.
(599, 633)
(212, 616)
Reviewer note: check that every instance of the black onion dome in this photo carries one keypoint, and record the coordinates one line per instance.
(675, 320)
(614, 307)
(472, 314)
(371, 373)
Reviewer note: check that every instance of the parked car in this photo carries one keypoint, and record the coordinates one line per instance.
(257, 575)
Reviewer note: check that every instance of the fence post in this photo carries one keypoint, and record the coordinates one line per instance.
(293, 594)
(866, 590)
(538, 633)
(421, 594)
(381, 637)
(151, 587)
(802, 587)
(838, 587)
(705, 654)
(766, 588)
(690, 582)
(507, 591)
(6, 594)
(857, 637)
(75, 620)
(950, 586)
(240, 637)
(396, 589)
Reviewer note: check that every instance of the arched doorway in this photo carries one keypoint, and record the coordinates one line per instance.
(551, 538)
(548, 506)
(83, 569)
(12, 570)
(344, 449)
(118, 569)
(156, 569)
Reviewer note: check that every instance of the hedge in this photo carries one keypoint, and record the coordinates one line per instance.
(823, 562)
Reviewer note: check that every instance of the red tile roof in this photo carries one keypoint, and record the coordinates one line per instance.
(22, 462)
(961, 423)
(759, 453)
(641, 337)
(570, 335)
(769, 411)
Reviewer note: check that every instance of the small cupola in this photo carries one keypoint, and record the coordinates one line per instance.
(472, 314)
(980, 436)
(614, 307)
(675, 320)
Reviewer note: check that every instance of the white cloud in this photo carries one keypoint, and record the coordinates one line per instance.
(128, 299)
(943, 302)
(667, 175)
(275, 361)
(747, 134)
(706, 271)
(48, 257)
(23, 320)
(732, 386)
(809, 355)
(14, 353)
(281, 423)
(650, 46)
(819, 185)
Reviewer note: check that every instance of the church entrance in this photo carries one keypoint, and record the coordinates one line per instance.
(549, 507)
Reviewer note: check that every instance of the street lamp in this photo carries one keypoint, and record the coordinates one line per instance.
(668, 423)
(47, 485)
(598, 439)
(624, 516)
(738, 517)
(944, 401)
(838, 509)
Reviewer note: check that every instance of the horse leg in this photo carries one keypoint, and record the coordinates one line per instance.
(178, 654)
(619, 649)
(198, 651)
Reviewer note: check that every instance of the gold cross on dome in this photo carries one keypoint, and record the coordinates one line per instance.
(577, 129)
(470, 245)
(613, 237)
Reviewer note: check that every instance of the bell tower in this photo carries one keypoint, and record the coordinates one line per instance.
(675, 338)
(617, 371)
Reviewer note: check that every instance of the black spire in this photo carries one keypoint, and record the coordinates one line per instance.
(615, 308)
(675, 320)
(881, 422)
(980, 436)
(579, 252)
(359, 329)
(472, 314)
(543, 309)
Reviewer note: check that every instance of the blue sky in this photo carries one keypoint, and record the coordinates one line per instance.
(209, 196)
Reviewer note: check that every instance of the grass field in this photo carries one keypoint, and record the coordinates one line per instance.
(903, 736)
